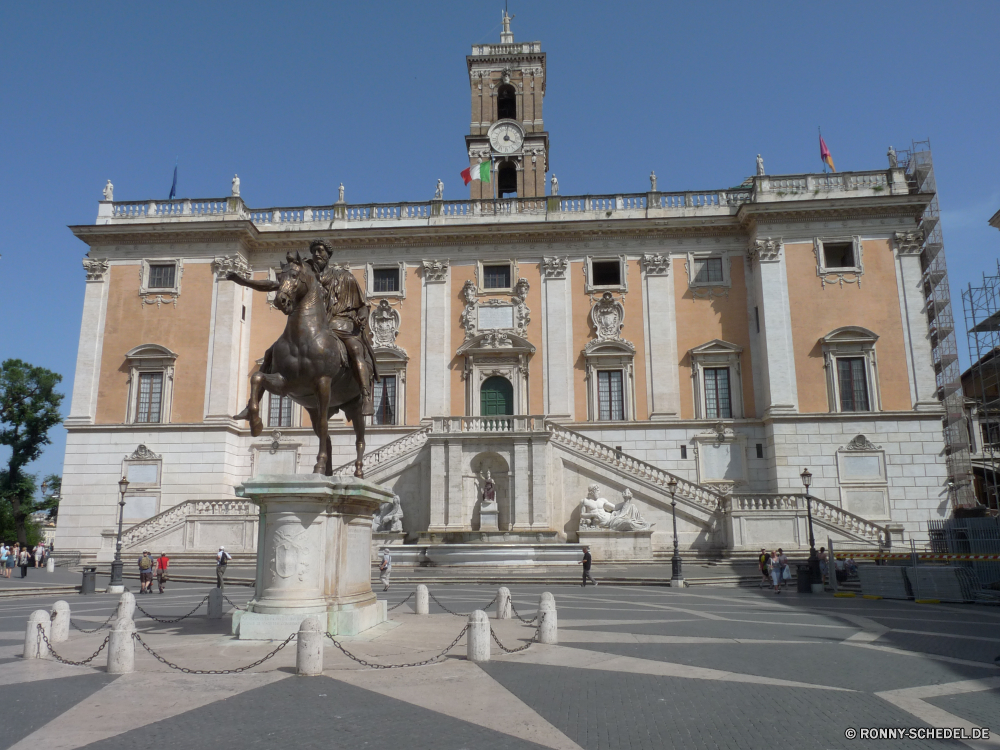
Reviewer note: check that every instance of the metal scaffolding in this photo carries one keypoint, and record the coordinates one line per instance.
(919, 166)
(982, 323)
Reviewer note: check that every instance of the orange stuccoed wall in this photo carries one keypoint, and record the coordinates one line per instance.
(702, 320)
(816, 311)
(182, 329)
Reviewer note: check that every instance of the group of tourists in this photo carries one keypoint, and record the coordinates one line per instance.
(150, 568)
(16, 555)
(774, 568)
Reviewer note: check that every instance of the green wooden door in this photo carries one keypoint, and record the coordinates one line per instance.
(496, 397)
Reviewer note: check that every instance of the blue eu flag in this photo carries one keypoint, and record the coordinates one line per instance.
(173, 187)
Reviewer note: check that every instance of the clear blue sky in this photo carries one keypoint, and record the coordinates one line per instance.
(297, 97)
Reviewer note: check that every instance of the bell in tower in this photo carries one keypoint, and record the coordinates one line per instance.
(507, 82)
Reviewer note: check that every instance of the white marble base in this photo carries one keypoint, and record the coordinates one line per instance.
(314, 556)
(618, 546)
(489, 518)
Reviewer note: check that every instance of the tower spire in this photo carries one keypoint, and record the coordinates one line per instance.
(506, 36)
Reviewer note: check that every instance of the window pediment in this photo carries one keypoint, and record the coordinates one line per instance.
(492, 342)
(150, 355)
(850, 335)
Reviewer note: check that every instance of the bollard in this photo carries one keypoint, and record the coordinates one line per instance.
(215, 604)
(121, 648)
(60, 622)
(309, 649)
(503, 603)
(34, 646)
(548, 627)
(50, 565)
(126, 606)
(423, 604)
(478, 637)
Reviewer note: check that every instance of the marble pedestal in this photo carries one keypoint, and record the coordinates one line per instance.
(618, 546)
(489, 517)
(313, 555)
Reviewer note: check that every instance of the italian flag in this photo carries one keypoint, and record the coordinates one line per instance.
(479, 172)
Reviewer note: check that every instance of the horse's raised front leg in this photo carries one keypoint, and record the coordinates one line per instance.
(260, 382)
(321, 425)
(355, 412)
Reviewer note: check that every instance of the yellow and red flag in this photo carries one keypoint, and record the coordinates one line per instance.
(824, 154)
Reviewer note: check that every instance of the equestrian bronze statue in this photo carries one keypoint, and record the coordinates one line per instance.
(323, 360)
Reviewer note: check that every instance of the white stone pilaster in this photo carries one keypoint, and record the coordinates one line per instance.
(917, 339)
(83, 409)
(438, 487)
(519, 516)
(435, 380)
(660, 327)
(457, 519)
(771, 286)
(557, 338)
(225, 346)
(540, 509)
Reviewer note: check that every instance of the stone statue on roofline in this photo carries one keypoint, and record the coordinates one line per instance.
(439, 191)
(236, 186)
(109, 191)
(893, 160)
(340, 193)
(599, 513)
(652, 182)
(555, 185)
(760, 165)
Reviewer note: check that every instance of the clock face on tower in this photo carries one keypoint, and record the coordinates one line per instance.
(505, 137)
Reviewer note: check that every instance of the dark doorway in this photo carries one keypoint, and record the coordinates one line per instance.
(506, 103)
(496, 397)
(507, 179)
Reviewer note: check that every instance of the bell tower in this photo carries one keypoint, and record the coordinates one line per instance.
(507, 81)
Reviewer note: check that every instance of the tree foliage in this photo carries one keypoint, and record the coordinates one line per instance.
(29, 408)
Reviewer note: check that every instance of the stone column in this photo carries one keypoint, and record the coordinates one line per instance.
(542, 498)
(660, 328)
(503, 603)
(477, 640)
(225, 350)
(770, 281)
(126, 606)
(557, 338)
(309, 648)
(520, 489)
(34, 644)
(436, 351)
(60, 622)
(215, 604)
(88, 358)
(121, 648)
(920, 359)
(456, 516)
(423, 600)
(438, 485)
(548, 629)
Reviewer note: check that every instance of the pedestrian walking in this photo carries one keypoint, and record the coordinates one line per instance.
(764, 568)
(162, 562)
(775, 566)
(145, 573)
(39, 554)
(786, 569)
(222, 559)
(4, 555)
(23, 559)
(822, 563)
(385, 568)
(11, 560)
(587, 560)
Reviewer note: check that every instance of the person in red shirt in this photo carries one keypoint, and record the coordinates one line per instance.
(161, 570)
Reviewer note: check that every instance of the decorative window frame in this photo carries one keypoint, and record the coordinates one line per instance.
(851, 341)
(390, 358)
(727, 269)
(717, 354)
(839, 275)
(496, 352)
(147, 358)
(370, 269)
(143, 456)
(157, 297)
(481, 277)
(588, 270)
(861, 446)
(604, 356)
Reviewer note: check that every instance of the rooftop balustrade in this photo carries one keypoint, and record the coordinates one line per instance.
(692, 203)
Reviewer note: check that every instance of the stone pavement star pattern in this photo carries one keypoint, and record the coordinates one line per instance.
(634, 668)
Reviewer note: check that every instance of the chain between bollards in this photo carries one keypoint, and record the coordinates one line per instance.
(518, 616)
(176, 619)
(365, 663)
(99, 627)
(235, 605)
(61, 660)
(531, 641)
(396, 606)
(459, 614)
(186, 670)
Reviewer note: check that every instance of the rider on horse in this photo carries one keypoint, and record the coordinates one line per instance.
(346, 315)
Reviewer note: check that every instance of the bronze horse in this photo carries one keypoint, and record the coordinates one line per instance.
(309, 362)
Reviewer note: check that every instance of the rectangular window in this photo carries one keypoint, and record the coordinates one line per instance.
(708, 271)
(991, 434)
(496, 277)
(279, 412)
(384, 395)
(853, 384)
(718, 405)
(610, 395)
(606, 273)
(161, 276)
(838, 255)
(684, 451)
(386, 279)
(150, 397)
(760, 450)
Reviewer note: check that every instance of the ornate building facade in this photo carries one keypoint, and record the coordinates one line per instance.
(721, 338)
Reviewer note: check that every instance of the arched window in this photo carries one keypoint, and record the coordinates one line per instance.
(506, 103)
(506, 179)
(496, 397)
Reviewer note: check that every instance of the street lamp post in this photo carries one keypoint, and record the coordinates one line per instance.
(676, 571)
(815, 575)
(117, 585)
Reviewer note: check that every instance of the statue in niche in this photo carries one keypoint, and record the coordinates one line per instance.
(760, 165)
(599, 513)
(236, 186)
(489, 490)
(109, 191)
(555, 185)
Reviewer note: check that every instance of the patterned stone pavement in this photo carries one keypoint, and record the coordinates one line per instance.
(634, 668)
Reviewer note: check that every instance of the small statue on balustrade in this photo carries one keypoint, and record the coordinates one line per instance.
(340, 193)
(236, 186)
(760, 165)
(555, 185)
(652, 182)
(439, 191)
(109, 191)
(893, 159)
